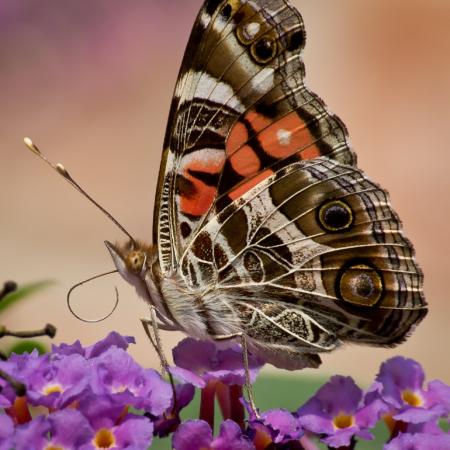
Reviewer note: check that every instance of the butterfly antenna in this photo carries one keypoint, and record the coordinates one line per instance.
(87, 281)
(66, 175)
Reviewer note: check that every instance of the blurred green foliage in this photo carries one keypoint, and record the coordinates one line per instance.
(23, 292)
(27, 346)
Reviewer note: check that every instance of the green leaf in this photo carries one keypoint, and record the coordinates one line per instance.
(23, 292)
(27, 347)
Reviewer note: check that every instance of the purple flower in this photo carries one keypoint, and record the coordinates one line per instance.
(113, 339)
(335, 411)
(7, 394)
(169, 421)
(6, 432)
(419, 441)
(400, 385)
(200, 361)
(67, 429)
(276, 426)
(21, 367)
(117, 375)
(197, 434)
(113, 427)
(426, 428)
(101, 411)
(132, 434)
(58, 380)
(33, 434)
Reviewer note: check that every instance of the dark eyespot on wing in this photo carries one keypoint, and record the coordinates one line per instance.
(335, 215)
(264, 50)
(360, 284)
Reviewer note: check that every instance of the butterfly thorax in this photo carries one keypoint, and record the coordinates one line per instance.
(194, 311)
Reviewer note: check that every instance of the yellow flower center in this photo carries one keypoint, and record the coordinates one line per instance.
(104, 439)
(52, 447)
(52, 388)
(343, 421)
(412, 398)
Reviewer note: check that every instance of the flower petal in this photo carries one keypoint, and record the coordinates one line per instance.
(70, 428)
(419, 441)
(192, 435)
(231, 438)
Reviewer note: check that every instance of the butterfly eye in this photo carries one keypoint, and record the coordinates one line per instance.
(336, 216)
(264, 50)
(361, 285)
(135, 261)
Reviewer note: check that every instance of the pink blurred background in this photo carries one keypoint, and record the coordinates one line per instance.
(91, 83)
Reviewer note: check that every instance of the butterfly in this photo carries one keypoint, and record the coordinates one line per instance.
(264, 226)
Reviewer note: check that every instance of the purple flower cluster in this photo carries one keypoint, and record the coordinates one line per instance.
(88, 394)
(99, 398)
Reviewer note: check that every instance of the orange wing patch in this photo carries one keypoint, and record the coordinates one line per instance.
(196, 194)
(279, 139)
(245, 161)
(287, 136)
(249, 184)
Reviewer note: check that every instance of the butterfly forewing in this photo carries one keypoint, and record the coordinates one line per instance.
(260, 200)
(240, 107)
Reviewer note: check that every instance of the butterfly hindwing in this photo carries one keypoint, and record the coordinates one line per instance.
(316, 252)
(240, 108)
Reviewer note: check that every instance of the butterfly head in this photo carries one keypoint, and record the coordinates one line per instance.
(131, 259)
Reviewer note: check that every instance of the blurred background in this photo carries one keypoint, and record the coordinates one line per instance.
(91, 83)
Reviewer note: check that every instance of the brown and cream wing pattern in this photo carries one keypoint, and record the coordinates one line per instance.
(319, 242)
(240, 108)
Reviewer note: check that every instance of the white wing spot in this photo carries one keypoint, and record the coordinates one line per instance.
(251, 30)
(206, 88)
(263, 81)
(205, 19)
(284, 136)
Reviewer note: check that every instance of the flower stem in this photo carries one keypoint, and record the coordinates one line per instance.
(19, 411)
(237, 408)
(223, 396)
(307, 444)
(207, 403)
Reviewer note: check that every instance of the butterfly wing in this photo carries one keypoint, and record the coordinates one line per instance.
(312, 256)
(261, 207)
(240, 108)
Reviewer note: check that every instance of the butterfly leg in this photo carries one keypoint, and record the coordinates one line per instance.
(248, 384)
(152, 331)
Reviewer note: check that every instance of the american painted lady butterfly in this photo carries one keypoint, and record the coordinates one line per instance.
(263, 223)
